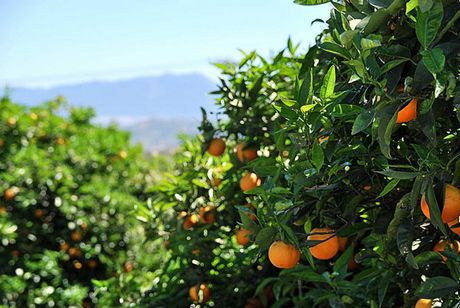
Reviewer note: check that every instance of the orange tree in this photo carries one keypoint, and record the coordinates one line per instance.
(356, 177)
(71, 196)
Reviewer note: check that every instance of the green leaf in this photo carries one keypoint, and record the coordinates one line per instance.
(375, 21)
(402, 175)
(305, 95)
(387, 120)
(362, 121)
(434, 60)
(435, 213)
(411, 5)
(310, 2)
(327, 88)
(341, 263)
(303, 273)
(306, 108)
(264, 237)
(428, 24)
(247, 222)
(317, 156)
(428, 257)
(389, 187)
(425, 5)
(335, 49)
(438, 286)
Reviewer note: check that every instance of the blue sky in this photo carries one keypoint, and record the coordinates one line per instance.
(47, 42)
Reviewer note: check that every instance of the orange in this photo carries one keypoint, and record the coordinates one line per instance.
(329, 246)
(207, 214)
(92, 263)
(200, 293)
(216, 147)
(39, 213)
(453, 223)
(75, 236)
(190, 221)
(64, 246)
(424, 303)
(9, 194)
(216, 182)
(245, 154)
(74, 252)
(283, 255)
(441, 246)
(60, 141)
(250, 181)
(408, 113)
(77, 265)
(342, 242)
(11, 121)
(123, 154)
(253, 303)
(367, 187)
(196, 252)
(242, 236)
(451, 209)
(128, 267)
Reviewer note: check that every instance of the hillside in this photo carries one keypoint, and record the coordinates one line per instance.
(155, 109)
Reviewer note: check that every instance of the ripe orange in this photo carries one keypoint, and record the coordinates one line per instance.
(216, 147)
(11, 121)
(60, 140)
(190, 221)
(92, 263)
(329, 246)
(207, 214)
(253, 302)
(242, 236)
(74, 252)
(323, 139)
(451, 224)
(367, 187)
(283, 255)
(451, 209)
(424, 303)
(342, 242)
(77, 265)
(128, 267)
(408, 113)
(64, 246)
(216, 182)
(441, 246)
(75, 236)
(250, 181)
(200, 293)
(123, 154)
(245, 154)
(9, 194)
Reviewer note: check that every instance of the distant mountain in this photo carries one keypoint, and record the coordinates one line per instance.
(154, 109)
(160, 135)
(164, 96)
